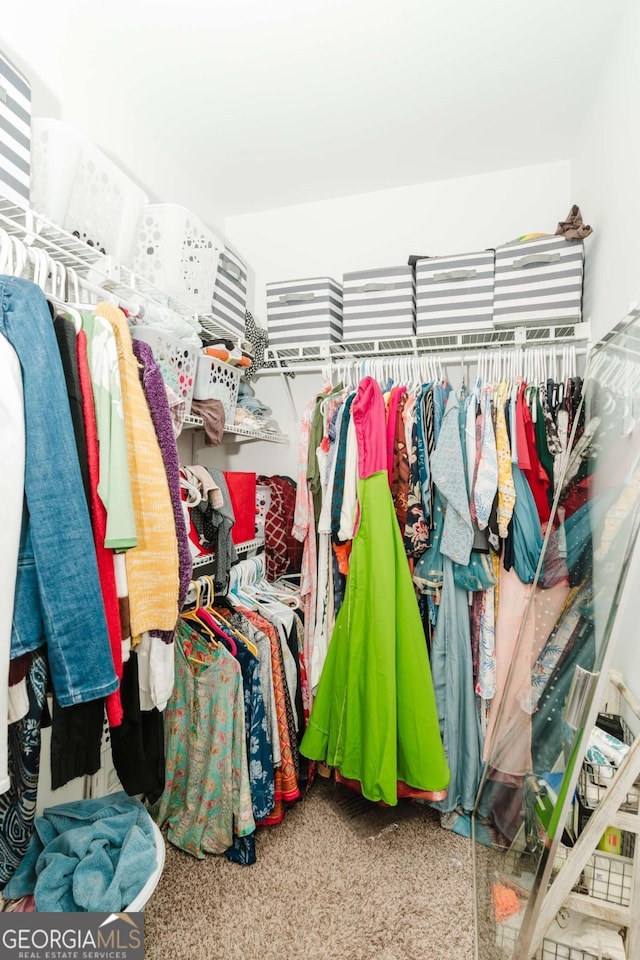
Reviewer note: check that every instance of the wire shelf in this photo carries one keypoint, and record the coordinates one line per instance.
(241, 548)
(250, 545)
(197, 423)
(36, 230)
(250, 434)
(193, 423)
(325, 352)
(203, 560)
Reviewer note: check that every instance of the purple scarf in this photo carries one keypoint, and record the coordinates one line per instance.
(156, 396)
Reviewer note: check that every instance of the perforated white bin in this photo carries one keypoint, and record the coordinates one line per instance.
(216, 380)
(175, 251)
(76, 186)
(177, 360)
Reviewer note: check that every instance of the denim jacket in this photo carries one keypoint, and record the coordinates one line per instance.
(58, 599)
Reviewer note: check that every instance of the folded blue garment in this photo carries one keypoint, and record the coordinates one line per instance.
(89, 855)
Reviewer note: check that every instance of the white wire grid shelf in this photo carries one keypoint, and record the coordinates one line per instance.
(197, 423)
(34, 229)
(241, 549)
(323, 353)
(249, 434)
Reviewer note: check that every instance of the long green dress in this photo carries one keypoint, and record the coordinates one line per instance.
(374, 717)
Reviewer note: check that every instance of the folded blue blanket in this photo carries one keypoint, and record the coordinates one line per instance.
(93, 855)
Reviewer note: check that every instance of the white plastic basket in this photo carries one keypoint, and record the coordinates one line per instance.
(78, 187)
(216, 380)
(177, 253)
(139, 902)
(177, 360)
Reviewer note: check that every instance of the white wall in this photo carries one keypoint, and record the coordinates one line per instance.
(605, 171)
(604, 181)
(379, 229)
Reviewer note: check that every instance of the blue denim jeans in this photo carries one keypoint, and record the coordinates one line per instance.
(57, 599)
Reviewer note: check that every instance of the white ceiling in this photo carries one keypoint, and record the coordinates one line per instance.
(231, 106)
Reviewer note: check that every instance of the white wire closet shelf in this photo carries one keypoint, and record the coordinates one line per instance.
(35, 230)
(313, 356)
(241, 548)
(197, 423)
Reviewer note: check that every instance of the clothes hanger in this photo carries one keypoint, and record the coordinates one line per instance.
(200, 625)
(59, 274)
(216, 613)
(19, 256)
(236, 588)
(209, 622)
(5, 249)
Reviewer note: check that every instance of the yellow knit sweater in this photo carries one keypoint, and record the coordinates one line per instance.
(152, 566)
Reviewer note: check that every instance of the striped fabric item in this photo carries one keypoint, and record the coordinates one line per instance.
(230, 292)
(304, 311)
(539, 280)
(15, 134)
(379, 304)
(455, 293)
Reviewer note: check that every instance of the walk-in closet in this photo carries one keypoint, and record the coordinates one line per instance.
(320, 485)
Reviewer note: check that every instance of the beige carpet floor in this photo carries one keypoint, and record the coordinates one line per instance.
(338, 880)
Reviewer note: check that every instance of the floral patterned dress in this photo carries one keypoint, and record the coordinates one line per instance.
(207, 797)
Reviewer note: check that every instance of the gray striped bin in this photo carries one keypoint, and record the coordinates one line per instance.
(230, 292)
(379, 304)
(539, 281)
(15, 134)
(304, 311)
(454, 293)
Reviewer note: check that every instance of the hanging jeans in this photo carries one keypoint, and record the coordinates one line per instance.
(57, 596)
(11, 495)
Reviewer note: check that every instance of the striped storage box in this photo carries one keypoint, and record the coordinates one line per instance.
(15, 134)
(455, 293)
(304, 311)
(230, 292)
(379, 304)
(539, 281)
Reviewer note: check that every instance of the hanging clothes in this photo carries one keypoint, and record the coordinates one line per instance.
(304, 530)
(378, 636)
(152, 565)
(54, 601)
(207, 796)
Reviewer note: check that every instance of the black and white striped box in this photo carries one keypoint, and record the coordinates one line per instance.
(15, 134)
(454, 293)
(379, 304)
(304, 311)
(539, 281)
(230, 292)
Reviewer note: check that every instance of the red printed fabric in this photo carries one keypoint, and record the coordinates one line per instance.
(104, 556)
(534, 471)
(275, 546)
(294, 547)
(283, 553)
